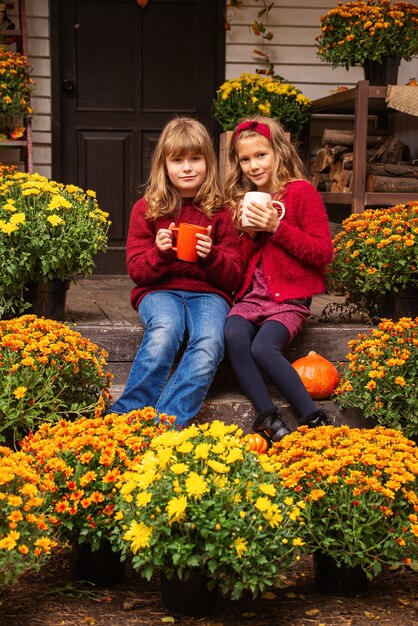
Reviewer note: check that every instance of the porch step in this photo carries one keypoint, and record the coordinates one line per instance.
(122, 343)
(225, 401)
(233, 407)
(98, 307)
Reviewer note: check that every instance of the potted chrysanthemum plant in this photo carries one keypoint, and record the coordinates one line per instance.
(359, 489)
(49, 234)
(79, 463)
(201, 503)
(48, 372)
(27, 536)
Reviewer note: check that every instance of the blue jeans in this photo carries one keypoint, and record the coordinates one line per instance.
(172, 319)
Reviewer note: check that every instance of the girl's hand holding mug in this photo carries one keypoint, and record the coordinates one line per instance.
(251, 232)
(204, 243)
(164, 238)
(192, 241)
(260, 212)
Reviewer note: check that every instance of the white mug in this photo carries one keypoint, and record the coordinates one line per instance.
(261, 198)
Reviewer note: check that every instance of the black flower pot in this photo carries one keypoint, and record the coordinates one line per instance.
(190, 596)
(397, 304)
(48, 299)
(101, 567)
(332, 580)
(384, 73)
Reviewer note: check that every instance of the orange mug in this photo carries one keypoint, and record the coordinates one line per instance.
(186, 241)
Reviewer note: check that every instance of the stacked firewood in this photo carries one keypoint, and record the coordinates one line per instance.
(388, 164)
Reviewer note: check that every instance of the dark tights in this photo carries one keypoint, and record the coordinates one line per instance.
(254, 350)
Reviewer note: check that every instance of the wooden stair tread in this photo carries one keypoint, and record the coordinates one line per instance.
(232, 407)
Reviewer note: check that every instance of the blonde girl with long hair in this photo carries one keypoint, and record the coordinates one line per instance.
(182, 305)
(285, 257)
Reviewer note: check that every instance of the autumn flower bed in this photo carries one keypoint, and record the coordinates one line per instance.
(376, 252)
(381, 375)
(257, 94)
(26, 534)
(48, 231)
(16, 85)
(354, 32)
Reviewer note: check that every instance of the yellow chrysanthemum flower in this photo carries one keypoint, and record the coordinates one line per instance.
(241, 546)
(138, 535)
(196, 486)
(176, 509)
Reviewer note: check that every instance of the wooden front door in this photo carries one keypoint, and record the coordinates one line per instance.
(119, 72)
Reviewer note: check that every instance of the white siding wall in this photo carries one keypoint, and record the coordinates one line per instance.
(294, 23)
(39, 54)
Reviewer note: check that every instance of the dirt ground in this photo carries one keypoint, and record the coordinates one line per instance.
(52, 598)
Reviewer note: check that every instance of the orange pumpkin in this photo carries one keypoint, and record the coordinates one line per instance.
(319, 375)
(256, 443)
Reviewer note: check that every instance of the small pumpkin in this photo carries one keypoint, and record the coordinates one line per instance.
(319, 375)
(256, 442)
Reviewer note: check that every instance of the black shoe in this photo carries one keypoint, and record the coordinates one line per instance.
(317, 418)
(271, 424)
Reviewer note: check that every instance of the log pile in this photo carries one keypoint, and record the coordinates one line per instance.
(388, 164)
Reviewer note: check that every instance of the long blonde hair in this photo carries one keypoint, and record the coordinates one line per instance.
(289, 165)
(180, 136)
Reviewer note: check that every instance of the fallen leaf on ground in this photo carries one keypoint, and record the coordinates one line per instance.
(130, 604)
(312, 612)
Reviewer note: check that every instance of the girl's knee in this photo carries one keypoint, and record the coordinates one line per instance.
(215, 346)
(163, 338)
(262, 352)
(236, 332)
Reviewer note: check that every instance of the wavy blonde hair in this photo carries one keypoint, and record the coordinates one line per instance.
(180, 136)
(289, 165)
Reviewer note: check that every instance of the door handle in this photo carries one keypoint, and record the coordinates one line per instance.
(68, 85)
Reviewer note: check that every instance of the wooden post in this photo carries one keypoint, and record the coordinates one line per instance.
(360, 132)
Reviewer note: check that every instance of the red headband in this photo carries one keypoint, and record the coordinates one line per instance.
(263, 129)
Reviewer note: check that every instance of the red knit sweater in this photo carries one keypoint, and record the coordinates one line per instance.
(152, 269)
(294, 257)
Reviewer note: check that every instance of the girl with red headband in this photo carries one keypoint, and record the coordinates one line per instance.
(285, 258)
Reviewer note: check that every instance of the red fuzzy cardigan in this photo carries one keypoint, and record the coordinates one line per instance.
(295, 256)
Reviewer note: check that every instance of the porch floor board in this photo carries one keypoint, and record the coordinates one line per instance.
(104, 300)
(101, 300)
